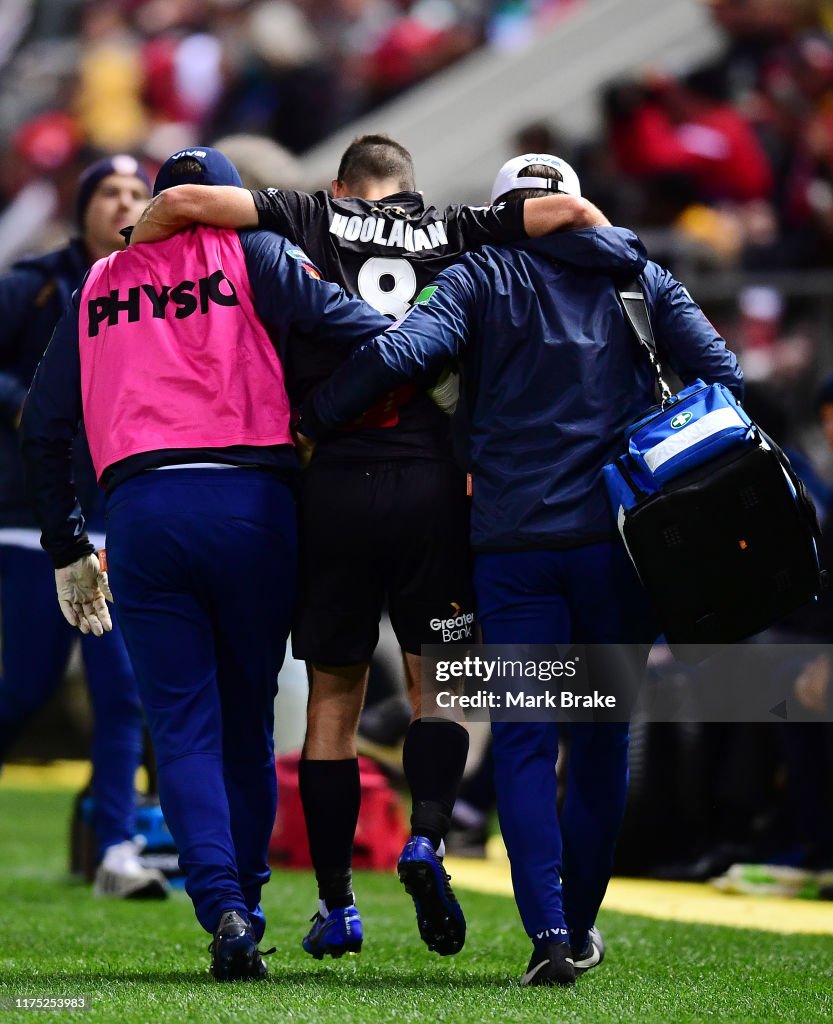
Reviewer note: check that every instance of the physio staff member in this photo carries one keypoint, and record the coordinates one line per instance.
(173, 353)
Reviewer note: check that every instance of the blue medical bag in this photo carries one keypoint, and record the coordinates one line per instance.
(714, 518)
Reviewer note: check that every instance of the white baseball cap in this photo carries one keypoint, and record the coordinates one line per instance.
(509, 177)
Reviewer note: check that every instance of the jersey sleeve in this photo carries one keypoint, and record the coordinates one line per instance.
(286, 211)
(488, 225)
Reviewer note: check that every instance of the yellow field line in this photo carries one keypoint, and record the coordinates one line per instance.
(676, 901)
(54, 775)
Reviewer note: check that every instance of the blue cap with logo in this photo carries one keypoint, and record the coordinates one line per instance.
(214, 169)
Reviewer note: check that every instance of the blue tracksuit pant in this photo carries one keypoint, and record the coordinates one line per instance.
(560, 868)
(36, 646)
(202, 566)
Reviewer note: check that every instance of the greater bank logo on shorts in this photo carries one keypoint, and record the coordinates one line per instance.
(457, 627)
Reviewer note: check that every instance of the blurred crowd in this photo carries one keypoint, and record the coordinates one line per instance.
(737, 154)
(727, 174)
(155, 74)
(82, 78)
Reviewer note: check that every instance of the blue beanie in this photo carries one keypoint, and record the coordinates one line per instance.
(90, 177)
(215, 169)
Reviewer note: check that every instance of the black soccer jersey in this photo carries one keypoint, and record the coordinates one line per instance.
(384, 251)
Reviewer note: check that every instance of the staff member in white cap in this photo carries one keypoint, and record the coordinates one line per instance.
(551, 377)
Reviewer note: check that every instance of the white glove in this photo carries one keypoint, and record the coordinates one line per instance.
(83, 592)
(446, 392)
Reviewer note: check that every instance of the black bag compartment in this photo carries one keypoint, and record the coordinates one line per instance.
(725, 550)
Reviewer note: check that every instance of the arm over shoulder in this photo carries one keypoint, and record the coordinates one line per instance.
(685, 335)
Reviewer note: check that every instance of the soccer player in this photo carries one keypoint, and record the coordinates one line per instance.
(552, 377)
(173, 353)
(383, 512)
(36, 640)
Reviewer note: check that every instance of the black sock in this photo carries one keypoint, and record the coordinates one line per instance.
(578, 941)
(434, 759)
(331, 795)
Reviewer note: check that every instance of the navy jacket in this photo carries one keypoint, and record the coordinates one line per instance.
(33, 295)
(552, 375)
(288, 295)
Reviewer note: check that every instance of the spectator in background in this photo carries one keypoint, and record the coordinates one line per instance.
(688, 128)
(40, 178)
(108, 102)
(166, 73)
(36, 640)
(755, 30)
(699, 162)
(419, 43)
(798, 98)
(724, 175)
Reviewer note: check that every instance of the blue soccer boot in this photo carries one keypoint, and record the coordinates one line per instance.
(335, 934)
(442, 925)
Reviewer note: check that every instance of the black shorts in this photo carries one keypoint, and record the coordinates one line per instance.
(372, 534)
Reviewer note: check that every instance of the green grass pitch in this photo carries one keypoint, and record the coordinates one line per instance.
(146, 962)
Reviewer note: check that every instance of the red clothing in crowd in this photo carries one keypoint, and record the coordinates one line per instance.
(717, 148)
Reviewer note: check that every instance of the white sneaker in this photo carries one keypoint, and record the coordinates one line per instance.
(121, 875)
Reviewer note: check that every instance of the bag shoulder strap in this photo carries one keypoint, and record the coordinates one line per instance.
(803, 499)
(632, 299)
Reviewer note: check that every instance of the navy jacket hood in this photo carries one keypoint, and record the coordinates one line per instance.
(614, 251)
